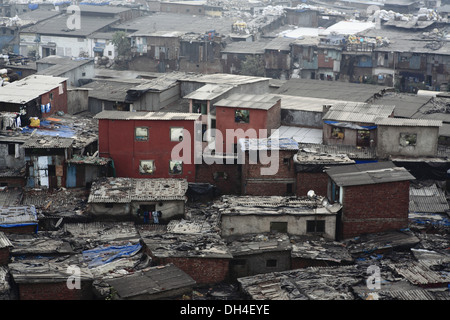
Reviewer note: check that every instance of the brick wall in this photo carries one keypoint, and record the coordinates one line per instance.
(375, 208)
(255, 183)
(4, 256)
(19, 230)
(228, 184)
(266, 188)
(54, 291)
(316, 181)
(203, 270)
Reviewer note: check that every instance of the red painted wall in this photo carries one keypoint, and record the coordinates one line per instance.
(59, 101)
(117, 141)
(225, 119)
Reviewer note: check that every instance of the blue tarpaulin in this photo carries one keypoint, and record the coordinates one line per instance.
(349, 125)
(106, 254)
(48, 129)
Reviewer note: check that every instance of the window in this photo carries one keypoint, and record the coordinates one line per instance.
(315, 226)
(11, 149)
(147, 166)
(51, 96)
(109, 53)
(242, 116)
(83, 74)
(337, 133)
(408, 139)
(176, 134)
(278, 227)
(200, 107)
(141, 133)
(271, 263)
(175, 167)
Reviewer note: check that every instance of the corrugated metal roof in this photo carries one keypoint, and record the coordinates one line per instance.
(209, 92)
(427, 200)
(421, 272)
(4, 241)
(155, 280)
(368, 173)
(408, 122)
(249, 101)
(358, 112)
(129, 115)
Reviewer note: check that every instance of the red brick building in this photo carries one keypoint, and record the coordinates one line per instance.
(141, 143)
(49, 279)
(268, 162)
(203, 257)
(374, 196)
(245, 116)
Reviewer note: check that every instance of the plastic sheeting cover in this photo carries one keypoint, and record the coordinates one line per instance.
(106, 254)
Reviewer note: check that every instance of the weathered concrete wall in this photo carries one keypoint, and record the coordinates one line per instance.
(388, 141)
(77, 100)
(9, 160)
(296, 225)
(290, 117)
(250, 265)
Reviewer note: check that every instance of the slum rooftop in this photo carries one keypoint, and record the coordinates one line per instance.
(313, 156)
(352, 152)
(186, 23)
(268, 144)
(29, 88)
(250, 101)
(333, 90)
(166, 245)
(48, 143)
(60, 65)
(110, 89)
(300, 134)
(358, 112)
(125, 190)
(209, 92)
(57, 26)
(275, 205)
(368, 173)
(143, 115)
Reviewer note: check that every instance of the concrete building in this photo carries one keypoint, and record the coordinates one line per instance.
(75, 70)
(126, 199)
(301, 216)
(407, 138)
(53, 37)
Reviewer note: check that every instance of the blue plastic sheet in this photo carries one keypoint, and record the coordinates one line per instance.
(47, 129)
(106, 254)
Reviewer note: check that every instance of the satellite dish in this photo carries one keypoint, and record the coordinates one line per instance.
(311, 193)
